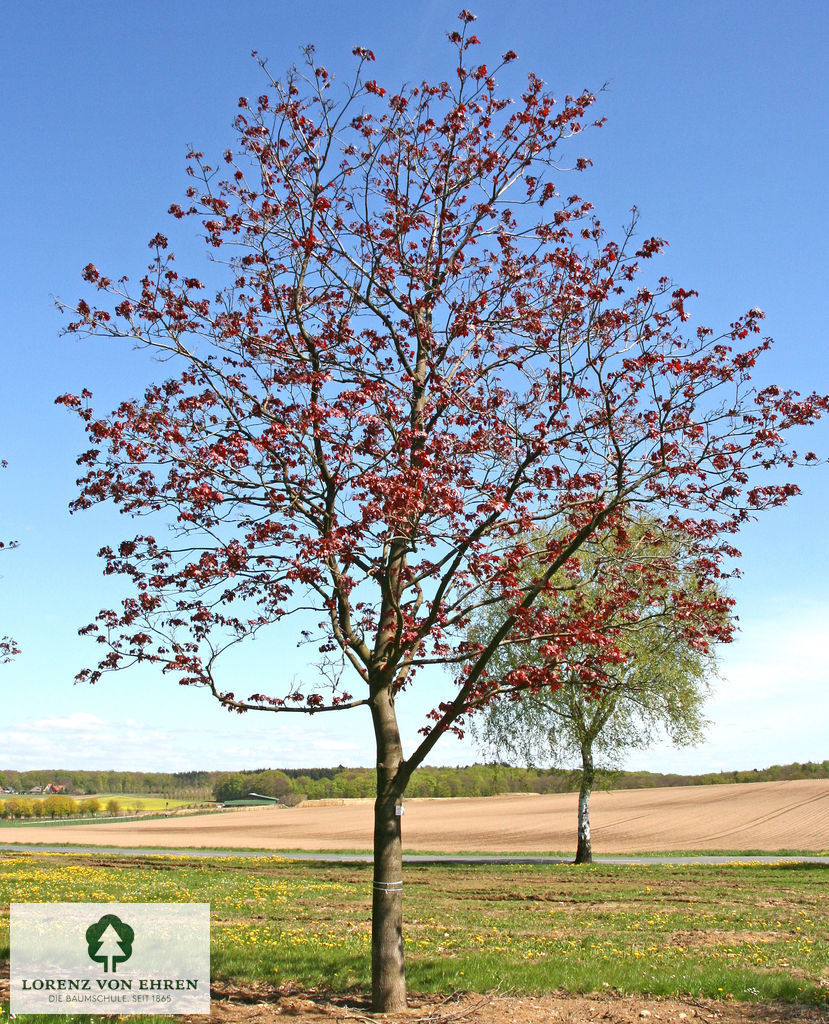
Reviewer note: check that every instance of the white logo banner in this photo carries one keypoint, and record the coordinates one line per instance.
(116, 958)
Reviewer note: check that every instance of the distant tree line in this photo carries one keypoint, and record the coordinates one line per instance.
(177, 785)
(290, 785)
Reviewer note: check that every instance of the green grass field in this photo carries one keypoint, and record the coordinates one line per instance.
(148, 803)
(127, 801)
(747, 932)
(129, 805)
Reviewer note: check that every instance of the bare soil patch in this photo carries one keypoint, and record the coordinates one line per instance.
(750, 816)
(251, 1007)
(260, 1004)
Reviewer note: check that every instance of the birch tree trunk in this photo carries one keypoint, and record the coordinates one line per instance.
(584, 849)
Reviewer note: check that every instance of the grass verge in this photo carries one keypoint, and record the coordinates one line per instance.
(9, 843)
(745, 931)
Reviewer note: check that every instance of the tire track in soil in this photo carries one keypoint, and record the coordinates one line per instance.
(762, 819)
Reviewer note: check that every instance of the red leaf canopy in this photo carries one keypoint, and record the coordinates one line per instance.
(426, 351)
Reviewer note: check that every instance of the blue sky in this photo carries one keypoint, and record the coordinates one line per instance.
(717, 131)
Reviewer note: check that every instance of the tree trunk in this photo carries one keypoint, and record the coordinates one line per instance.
(584, 849)
(388, 978)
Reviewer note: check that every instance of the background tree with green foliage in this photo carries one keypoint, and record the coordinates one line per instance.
(656, 685)
(58, 806)
(91, 806)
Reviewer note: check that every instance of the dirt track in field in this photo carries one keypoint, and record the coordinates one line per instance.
(756, 816)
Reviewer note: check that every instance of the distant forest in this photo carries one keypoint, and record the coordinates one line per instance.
(178, 786)
(291, 785)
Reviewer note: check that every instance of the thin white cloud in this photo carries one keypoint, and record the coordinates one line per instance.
(77, 721)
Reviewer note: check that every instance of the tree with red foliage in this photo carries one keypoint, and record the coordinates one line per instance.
(424, 352)
(8, 647)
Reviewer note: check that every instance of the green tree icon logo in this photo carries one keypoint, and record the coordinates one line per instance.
(109, 941)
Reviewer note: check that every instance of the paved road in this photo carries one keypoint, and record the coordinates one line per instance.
(411, 858)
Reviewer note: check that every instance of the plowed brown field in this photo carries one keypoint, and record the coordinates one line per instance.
(756, 816)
